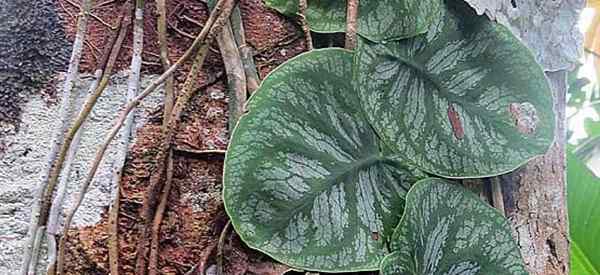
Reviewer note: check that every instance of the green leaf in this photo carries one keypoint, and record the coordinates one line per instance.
(306, 180)
(446, 229)
(377, 20)
(466, 100)
(583, 197)
(592, 127)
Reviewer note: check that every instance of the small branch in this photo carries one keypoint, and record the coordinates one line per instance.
(220, 248)
(93, 50)
(302, 6)
(113, 224)
(351, 24)
(246, 54)
(71, 77)
(236, 77)
(168, 110)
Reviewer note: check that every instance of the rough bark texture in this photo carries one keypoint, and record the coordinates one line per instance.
(535, 195)
(535, 199)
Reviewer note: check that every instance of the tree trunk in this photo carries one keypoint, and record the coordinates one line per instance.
(535, 199)
(534, 196)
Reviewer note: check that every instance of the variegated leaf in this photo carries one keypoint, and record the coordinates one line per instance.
(305, 179)
(447, 230)
(377, 20)
(465, 100)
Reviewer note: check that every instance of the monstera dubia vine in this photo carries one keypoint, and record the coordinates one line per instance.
(318, 171)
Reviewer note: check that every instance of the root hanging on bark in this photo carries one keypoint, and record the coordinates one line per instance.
(236, 76)
(246, 52)
(82, 116)
(213, 26)
(164, 60)
(158, 217)
(125, 20)
(221, 247)
(133, 86)
(150, 198)
(72, 74)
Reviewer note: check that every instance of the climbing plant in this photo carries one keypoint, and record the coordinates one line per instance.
(330, 169)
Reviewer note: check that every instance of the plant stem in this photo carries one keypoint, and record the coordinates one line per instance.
(351, 24)
(236, 77)
(71, 77)
(83, 114)
(158, 217)
(133, 86)
(246, 53)
(164, 60)
(57, 204)
(154, 186)
(302, 6)
(220, 248)
(213, 26)
(125, 20)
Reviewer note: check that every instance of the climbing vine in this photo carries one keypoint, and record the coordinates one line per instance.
(347, 160)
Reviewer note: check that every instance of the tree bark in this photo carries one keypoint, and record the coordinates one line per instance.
(535, 199)
(534, 196)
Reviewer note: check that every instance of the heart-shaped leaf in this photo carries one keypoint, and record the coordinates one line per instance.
(377, 20)
(305, 179)
(446, 229)
(465, 100)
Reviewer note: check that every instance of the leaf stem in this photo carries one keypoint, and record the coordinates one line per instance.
(351, 24)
